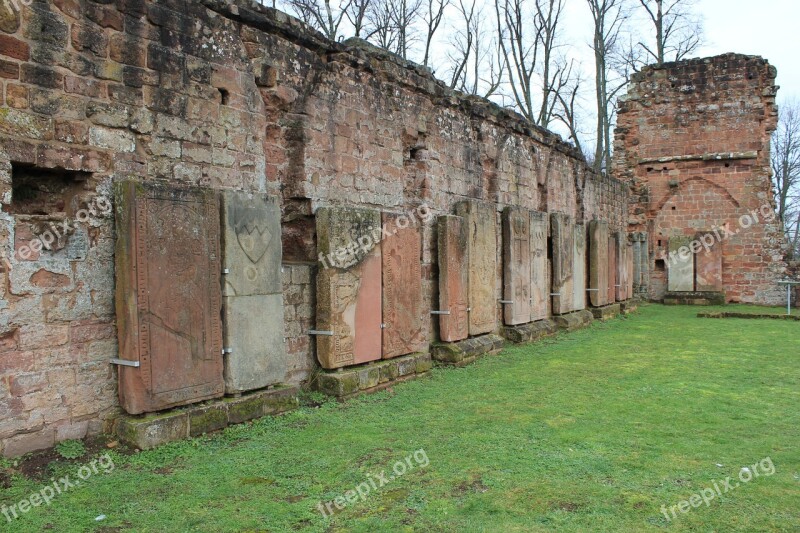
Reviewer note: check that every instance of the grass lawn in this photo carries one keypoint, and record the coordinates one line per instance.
(591, 431)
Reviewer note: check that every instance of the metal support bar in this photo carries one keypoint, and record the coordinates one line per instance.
(226, 271)
(555, 294)
(507, 302)
(124, 362)
(592, 290)
(226, 351)
(440, 312)
(320, 332)
(384, 326)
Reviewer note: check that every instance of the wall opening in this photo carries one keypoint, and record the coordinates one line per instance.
(37, 191)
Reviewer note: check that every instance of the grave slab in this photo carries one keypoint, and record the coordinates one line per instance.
(708, 263)
(598, 263)
(579, 284)
(680, 265)
(168, 299)
(453, 278)
(516, 266)
(482, 252)
(563, 235)
(540, 266)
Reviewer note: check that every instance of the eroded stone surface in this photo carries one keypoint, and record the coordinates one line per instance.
(563, 235)
(253, 297)
(708, 263)
(621, 288)
(482, 251)
(168, 296)
(612, 268)
(579, 269)
(598, 263)
(540, 266)
(680, 265)
(630, 267)
(516, 266)
(349, 297)
(405, 325)
(453, 278)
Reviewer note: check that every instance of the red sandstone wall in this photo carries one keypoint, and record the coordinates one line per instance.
(693, 139)
(213, 94)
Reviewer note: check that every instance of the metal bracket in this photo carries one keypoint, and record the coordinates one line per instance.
(592, 290)
(124, 362)
(226, 271)
(226, 351)
(320, 332)
(384, 326)
(440, 312)
(618, 285)
(469, 309)
(507, 302)
(555, 294)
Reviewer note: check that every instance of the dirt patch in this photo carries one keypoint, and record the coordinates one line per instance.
(475, 485)
(36, 466)
(570, 507)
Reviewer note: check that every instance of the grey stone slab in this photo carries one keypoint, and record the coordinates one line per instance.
(680, 265)
(540, 266)
(482, 257)
(562, 237)
(579, 283)
(516, 266)
(598, 263)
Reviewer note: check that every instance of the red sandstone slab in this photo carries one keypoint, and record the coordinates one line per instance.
(579, 270)
(540, 266)
(453, 278)
(482, 246)
(612, 268)
(516, 266)
(563, 235)
(629, 280)
(168, 296)
(622, 265)
(349, 286)
(708, 265)
(598, 263)
(405, 324)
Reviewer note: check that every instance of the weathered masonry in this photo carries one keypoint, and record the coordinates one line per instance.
(693, 140)
(196, 190)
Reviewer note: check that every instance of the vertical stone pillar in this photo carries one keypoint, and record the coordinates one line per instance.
(540, 266)
(598, 263)
(612, 268)
(453, 278)
(562, 237)
(482, 256)
(579, 284)
(516, 266)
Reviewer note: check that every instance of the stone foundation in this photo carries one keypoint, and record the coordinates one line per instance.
(530, 332)
(694, 298)
(573, 321)
(464, 352)
(607, 312)
(629, 307)
(149, 431)
(371, 377)
(749, 316)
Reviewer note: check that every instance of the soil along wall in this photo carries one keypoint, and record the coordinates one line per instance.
(209, 96)
(693, 139)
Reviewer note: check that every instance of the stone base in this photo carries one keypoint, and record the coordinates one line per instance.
(464, 352)
(607, 312)
(148, 431)
(372, 376)
(529, 332)
(748, 315)
(629, 306)
(573, 321)
(694, 298)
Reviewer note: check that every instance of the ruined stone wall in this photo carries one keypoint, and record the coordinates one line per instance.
(693, 139)
(222, 95)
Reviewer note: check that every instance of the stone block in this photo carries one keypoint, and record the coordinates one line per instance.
(574, 321)
(348, 382)
(612, 268)
(30, 442)
(207, 418)
(153, 430)
(530, 332)
(253, 293)
(168, 296)
(579, 254)
(452, 236)
(563, 252)
(540, 266)
(349, 286)
(607, 312)
(680, 265)
(464, 352)
(516, 266)
(598, 263)
(482, 259)
(405, 322)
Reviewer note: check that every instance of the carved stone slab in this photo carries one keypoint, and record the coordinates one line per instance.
(168, 296)
(482, 246)
(562, 237)
(680, 266)
(629, 271)
(453, 278)
(349, 287)
(622, 264)
(405, 324)
(579, 276)
(516, 266)
(612, 268)
(708, 265)
(540, 266)
(252, 292)
(598, 263)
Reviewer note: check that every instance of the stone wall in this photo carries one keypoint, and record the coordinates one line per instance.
(221, 95)
(693, 139)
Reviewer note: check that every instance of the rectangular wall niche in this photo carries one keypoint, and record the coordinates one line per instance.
(45, 192)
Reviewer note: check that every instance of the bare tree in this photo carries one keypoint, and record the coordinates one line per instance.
(475, 61)
(786, 171)
(433, 18)
(528, 33)
(323, 15)
(609, 16)
(567, 110)
(678, 29)
(356, 14)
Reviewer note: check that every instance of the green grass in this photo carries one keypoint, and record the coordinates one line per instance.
(591, 431)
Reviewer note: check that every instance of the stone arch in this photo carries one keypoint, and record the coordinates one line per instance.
(697, 179)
